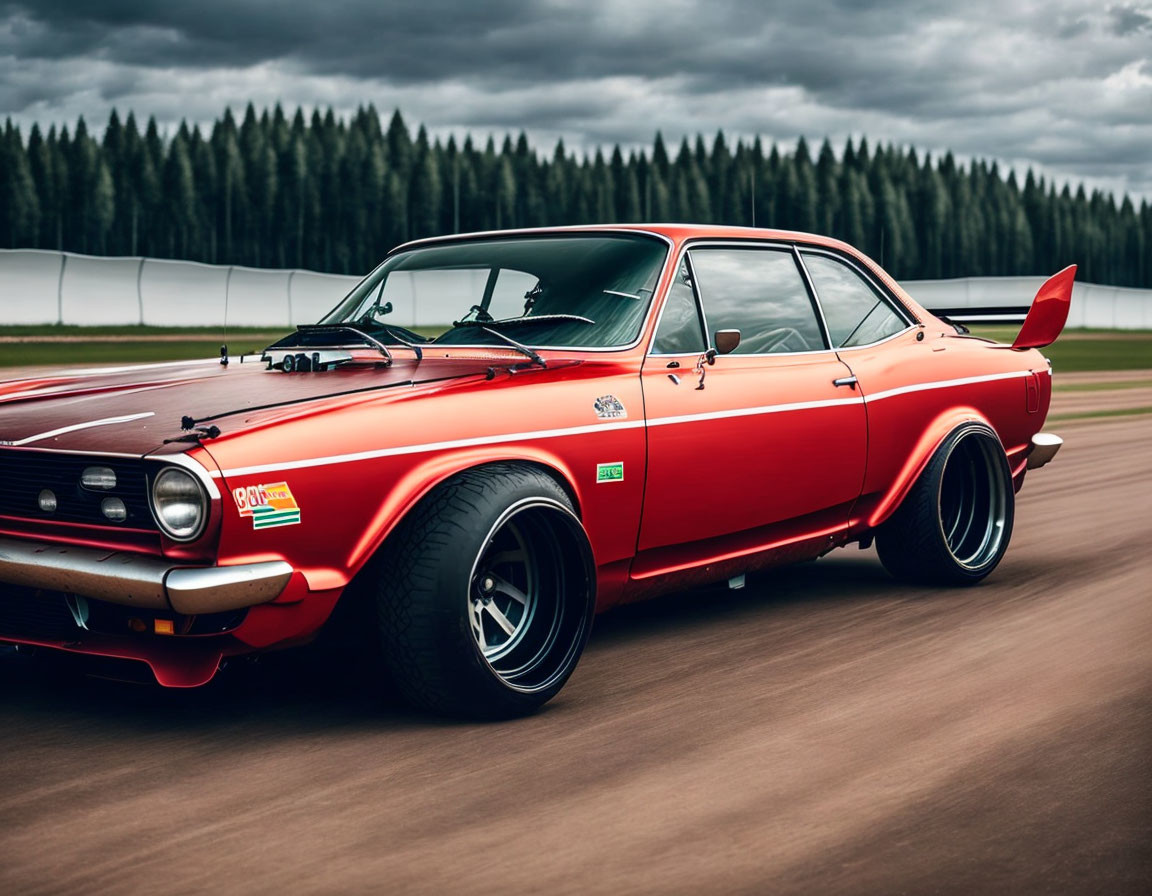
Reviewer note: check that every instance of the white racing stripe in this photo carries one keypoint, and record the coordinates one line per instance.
(756, 412)
(947, 384)
(606, 427)
(107, 421)
(429, 446)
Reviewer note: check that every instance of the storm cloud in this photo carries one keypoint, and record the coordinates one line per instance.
(1062, 85)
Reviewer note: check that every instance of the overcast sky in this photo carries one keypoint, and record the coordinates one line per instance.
(1065, 85)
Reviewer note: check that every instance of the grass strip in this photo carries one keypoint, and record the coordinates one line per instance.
(1092, 415)
(1102, 387)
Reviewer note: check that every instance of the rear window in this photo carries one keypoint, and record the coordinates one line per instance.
(855, 311)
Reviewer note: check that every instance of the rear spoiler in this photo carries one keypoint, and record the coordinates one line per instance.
(1049, 311)
(1043, 320)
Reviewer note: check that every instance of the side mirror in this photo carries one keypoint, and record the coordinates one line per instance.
(726, 341)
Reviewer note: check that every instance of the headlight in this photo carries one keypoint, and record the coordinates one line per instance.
(179, 502)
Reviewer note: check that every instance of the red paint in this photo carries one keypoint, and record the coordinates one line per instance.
(1049, 311)
(701, 499)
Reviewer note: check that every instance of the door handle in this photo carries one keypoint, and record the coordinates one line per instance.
(845, 381)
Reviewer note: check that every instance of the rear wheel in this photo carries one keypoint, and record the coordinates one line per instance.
(955, 524)
(486, 593)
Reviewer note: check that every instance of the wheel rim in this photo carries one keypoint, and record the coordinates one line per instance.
(530, 595)
(973, 502)
(504, 593)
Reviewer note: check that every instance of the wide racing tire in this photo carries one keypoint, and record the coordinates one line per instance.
(485, 594)
(955, 523)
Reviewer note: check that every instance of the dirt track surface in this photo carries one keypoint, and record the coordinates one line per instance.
(824, 730)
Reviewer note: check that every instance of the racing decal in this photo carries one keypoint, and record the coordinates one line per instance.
(610, 472)
(609, 407)
(268, 505)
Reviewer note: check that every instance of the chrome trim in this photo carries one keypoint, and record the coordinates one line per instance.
(197, 469)
(132, 580)
(694, 285)
(728, 243)
(813, 296)
(205, 501)
(216, 589)
(1043, 448)
(140, 580)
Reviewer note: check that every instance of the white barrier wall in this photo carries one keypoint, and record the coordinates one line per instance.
(181, 293)
(30, 287)
(1093, 305)
(312, 295)
(42, 287)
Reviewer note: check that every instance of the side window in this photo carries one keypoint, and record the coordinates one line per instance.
(679, 332)
(760, 293)
(855, 312)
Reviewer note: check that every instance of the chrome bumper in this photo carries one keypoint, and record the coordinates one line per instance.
(134, 580)
(1044, 448)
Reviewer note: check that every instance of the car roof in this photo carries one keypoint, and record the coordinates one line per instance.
(675, 232)
(679, 233)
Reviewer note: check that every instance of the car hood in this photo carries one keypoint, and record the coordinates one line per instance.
(134, 410)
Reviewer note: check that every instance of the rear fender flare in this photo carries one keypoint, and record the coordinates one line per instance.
(418, 481)
(933, 436)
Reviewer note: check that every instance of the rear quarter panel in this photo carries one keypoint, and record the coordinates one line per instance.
(916, 392)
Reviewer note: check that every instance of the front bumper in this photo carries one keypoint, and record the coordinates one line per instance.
(136, 580)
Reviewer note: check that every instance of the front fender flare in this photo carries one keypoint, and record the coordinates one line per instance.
(932, 437)
(421, 478)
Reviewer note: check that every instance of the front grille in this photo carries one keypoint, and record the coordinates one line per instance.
(36, 615)
(25, 474)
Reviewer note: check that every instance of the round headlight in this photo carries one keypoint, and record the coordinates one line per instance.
(179, 502)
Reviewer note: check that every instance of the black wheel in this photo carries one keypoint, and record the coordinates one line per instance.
(485, 594)
(954, 526)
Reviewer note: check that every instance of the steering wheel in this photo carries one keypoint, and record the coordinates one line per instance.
(766, 343)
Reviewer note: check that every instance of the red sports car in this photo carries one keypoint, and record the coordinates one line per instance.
(606, 413)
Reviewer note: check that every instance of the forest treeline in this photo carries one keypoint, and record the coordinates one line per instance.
(335, 194)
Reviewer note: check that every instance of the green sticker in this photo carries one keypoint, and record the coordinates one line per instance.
(610, 472)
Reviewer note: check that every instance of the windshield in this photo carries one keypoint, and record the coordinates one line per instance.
(570, 291)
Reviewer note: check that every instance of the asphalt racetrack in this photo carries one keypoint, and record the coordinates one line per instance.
(822, 731)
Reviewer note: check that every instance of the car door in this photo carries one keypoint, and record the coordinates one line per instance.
(767, 442)
(896, 368)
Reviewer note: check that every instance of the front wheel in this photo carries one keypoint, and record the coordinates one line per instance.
(954, 525)
(486, 593)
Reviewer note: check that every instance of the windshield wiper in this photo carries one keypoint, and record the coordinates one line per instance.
(523, 349)
(521, 321)
(372, 341)
(404, 337)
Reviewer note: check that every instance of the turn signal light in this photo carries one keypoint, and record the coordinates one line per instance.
(164, 627)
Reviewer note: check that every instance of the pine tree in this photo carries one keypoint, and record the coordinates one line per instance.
(19, 205)
(334, 194)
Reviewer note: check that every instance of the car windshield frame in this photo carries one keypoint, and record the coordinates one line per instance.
(360, 295)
